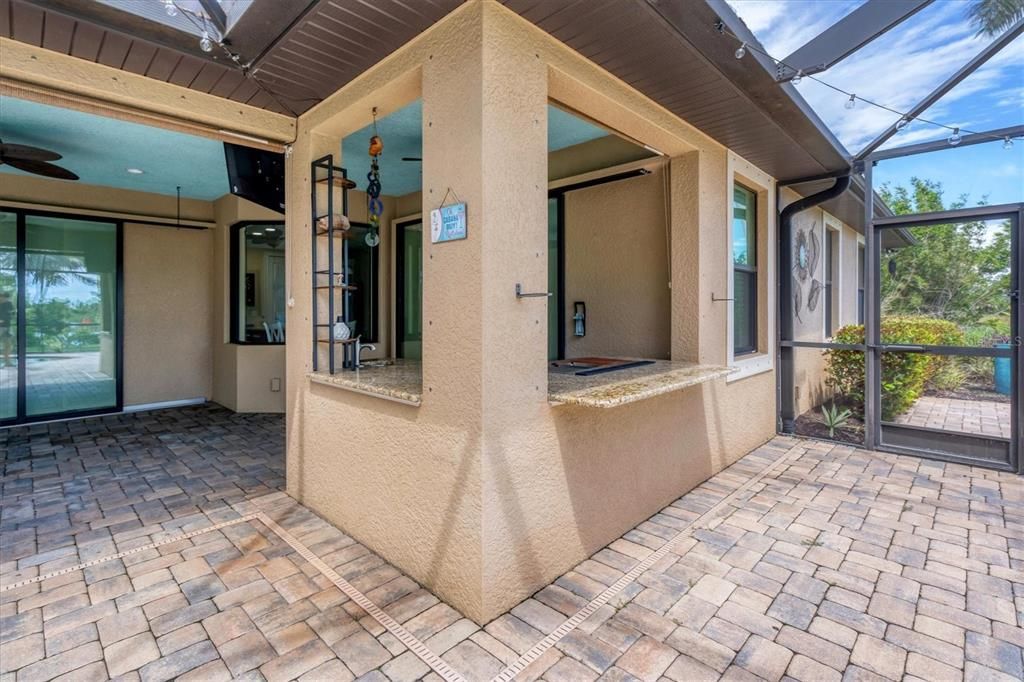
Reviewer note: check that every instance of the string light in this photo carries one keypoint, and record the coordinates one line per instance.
(170, 8)
(205, 44)
(954, 139)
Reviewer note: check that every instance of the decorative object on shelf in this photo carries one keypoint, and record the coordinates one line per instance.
(341, 330)
(340, 223)
(374, 206)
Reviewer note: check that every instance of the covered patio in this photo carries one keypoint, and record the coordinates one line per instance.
(160, 545)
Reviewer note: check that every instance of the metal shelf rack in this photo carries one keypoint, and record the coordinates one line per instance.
(327, 281)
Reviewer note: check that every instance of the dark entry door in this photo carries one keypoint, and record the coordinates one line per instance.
(947, 342)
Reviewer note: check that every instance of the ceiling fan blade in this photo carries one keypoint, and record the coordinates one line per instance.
(41, 168)
(23, 151)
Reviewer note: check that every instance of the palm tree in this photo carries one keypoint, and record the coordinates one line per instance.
(992, 17)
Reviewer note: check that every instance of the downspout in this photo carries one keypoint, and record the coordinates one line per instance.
(787, 403)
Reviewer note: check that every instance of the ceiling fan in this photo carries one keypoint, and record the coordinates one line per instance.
(34, 160)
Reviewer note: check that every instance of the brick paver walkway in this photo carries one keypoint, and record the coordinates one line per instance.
(982, 417)
(835, 563)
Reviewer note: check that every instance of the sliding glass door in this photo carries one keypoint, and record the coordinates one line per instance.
(63, 277)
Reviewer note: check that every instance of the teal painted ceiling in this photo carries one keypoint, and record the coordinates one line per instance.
(100, 149)
(402, 132)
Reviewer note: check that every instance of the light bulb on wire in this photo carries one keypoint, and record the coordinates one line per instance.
(205, 43)
(170, 8)
(741, 51)
(955, 138)
(795, 80)
(852, 102)
(1007, 143)
(902, 123)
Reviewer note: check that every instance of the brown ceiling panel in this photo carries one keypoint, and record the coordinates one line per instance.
(140, 56)
(58, 34)
(88, 39)
(208, 77)
(186, 71)
(115, 50)
(163, 65)
(27, 23)
(5, 18)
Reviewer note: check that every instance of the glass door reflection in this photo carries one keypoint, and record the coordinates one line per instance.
(71, 316)
(8, 316)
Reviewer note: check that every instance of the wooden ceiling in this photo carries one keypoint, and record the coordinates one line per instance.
(301, 51)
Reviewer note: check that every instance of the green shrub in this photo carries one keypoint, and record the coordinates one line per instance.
(904, 375)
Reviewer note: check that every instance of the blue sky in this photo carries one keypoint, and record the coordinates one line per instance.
(900, 69)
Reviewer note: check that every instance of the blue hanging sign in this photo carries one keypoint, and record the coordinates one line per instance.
(448, 223)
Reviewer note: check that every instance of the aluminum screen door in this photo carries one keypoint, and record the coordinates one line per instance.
(956, 396)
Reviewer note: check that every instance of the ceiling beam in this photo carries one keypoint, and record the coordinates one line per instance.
(846, 36)
(950, 83)
(36, 67)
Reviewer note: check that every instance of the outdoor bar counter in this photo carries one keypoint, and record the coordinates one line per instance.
(402, 381)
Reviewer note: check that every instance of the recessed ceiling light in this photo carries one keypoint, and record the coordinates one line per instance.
(135, 171)
(270, 229)
(257, 234)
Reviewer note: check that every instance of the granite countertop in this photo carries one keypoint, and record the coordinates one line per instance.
(623, 386)
(402, 381)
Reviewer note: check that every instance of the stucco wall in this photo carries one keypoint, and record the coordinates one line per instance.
(616, 262)
(486, 492)
(168, 314)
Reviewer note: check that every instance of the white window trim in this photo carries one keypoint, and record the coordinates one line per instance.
(751, 177)
(832, 224)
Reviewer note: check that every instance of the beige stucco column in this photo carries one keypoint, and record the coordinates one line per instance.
(700, 205)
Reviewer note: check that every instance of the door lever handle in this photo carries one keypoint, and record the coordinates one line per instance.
(539, 294)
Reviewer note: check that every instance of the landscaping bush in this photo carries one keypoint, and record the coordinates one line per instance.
(904, 375)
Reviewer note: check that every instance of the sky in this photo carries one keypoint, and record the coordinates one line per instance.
(899, 70)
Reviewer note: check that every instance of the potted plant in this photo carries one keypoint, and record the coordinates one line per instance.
(1001, 366)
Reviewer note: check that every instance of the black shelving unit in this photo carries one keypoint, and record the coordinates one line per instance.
(330, 286)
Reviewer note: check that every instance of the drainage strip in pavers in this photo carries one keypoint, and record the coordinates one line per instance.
(393, 626)
(569, 625)
(135, 550)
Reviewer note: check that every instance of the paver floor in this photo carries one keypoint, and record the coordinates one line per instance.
(981, 417)
(804, 560)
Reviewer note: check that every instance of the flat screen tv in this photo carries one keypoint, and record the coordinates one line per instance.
(256, 175)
